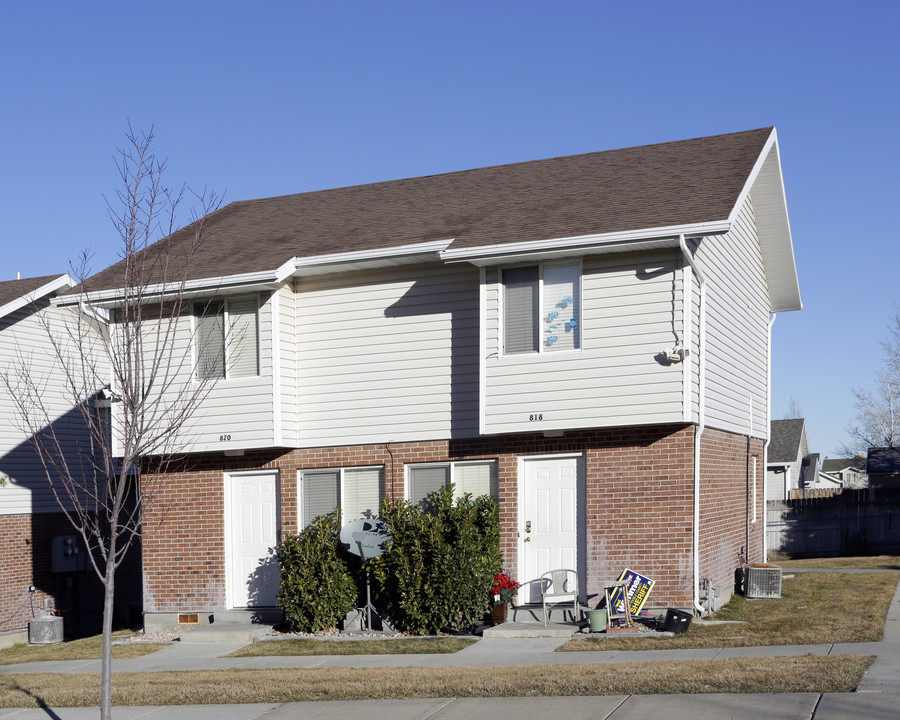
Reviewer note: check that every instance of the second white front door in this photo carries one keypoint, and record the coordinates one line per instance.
(548, 532)
(252, 535)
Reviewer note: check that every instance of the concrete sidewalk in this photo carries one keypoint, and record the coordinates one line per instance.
(878, 695)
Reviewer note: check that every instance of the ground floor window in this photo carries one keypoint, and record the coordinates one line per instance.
(356, 491)
(475, 478)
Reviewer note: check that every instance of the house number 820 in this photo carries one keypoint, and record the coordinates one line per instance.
(536, 416)
(224, 438)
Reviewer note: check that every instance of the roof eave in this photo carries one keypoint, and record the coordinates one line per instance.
(626, 241)
(58, 283)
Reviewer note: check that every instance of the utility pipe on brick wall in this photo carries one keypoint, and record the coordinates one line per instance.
(701, 424)
(765, 458)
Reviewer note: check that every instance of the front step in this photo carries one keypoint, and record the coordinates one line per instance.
(530, 630)
(233, 626)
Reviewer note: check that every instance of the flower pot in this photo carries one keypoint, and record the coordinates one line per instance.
(498, 613)
(597, 620)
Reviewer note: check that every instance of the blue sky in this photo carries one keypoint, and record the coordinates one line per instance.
(271, 98)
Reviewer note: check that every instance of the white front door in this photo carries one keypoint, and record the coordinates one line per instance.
(548, 531)
(252, 574)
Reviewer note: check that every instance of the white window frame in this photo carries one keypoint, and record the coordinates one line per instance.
(197, 312)
(341, 491)
(542, 347)
(452, 465)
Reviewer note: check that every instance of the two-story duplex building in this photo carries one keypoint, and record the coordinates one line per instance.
(586, 337)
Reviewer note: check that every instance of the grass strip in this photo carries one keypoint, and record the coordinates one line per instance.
(368, 646)
(820, 674)
(815, 608)
(89, 648)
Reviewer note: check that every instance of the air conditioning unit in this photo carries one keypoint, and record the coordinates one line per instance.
(45, 630)
(763, 581)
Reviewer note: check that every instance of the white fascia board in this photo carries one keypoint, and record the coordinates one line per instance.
(58, 283)
(363, 259)
(619, 241)
(203, 286)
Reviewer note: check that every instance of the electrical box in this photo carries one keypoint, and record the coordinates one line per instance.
(45, 630)
(65, 555)
(763, 582)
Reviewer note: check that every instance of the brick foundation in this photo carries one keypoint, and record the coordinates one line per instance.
(638, 509)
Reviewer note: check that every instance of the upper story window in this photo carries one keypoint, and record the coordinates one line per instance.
(541, 308)
(474, 478)
(227, 337)
(356, 491)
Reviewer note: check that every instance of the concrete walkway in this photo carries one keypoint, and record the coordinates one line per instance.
(877, 697)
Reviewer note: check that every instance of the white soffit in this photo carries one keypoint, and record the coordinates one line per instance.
(369, 259)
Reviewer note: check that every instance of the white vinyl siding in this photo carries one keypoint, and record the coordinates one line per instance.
(287, 364)
(23, 336)
(236, 413)
(356, 491)
(736, 329)
(632, 308)
(472, 478)
(388, 356)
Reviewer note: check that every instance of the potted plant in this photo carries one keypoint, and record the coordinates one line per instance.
(503, 591)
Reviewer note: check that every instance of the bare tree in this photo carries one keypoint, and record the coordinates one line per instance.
(132, 388)
(794, 411)
(877, 421)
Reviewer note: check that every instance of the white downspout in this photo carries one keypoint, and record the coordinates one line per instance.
(701, 424)
(765, 513)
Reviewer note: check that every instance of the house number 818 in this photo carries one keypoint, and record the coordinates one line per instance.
(536, 416)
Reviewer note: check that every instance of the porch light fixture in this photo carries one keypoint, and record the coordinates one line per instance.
(676, 354)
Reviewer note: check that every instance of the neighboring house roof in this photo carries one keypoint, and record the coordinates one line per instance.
(883, 461)
(15, 294)
(841, 464)
(590, 202)
(785, 438)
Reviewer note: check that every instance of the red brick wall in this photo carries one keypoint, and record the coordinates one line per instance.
(25, 542)
(638, 514)
(725, 503)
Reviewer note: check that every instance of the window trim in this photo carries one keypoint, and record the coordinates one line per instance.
(452, 464)
(197, 309)
(501, 304)
(382, 490)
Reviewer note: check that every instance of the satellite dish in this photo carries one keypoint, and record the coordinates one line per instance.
(365, 537)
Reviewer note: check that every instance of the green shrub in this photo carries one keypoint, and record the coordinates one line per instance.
(317, 587)
(439, 565)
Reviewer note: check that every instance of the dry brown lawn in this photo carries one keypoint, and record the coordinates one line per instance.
(839, 673)
(871, 562)
(83, 649)
(814, 608)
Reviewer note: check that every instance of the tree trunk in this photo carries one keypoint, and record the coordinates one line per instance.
(109, 586)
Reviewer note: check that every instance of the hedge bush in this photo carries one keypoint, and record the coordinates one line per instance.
(439, 565)
(317, 587)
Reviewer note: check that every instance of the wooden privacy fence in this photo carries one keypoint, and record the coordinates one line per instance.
(853, 522)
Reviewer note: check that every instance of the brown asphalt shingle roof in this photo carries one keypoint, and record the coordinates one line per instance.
(14, 289)
(684, 182)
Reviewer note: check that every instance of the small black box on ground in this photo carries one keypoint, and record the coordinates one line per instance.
(677, 621)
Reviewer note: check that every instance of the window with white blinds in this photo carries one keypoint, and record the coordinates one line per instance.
(227, 338)
(474, 478)
(541, 308)
(356, 491)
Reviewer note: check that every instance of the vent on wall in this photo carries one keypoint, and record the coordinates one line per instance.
(763, 582)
